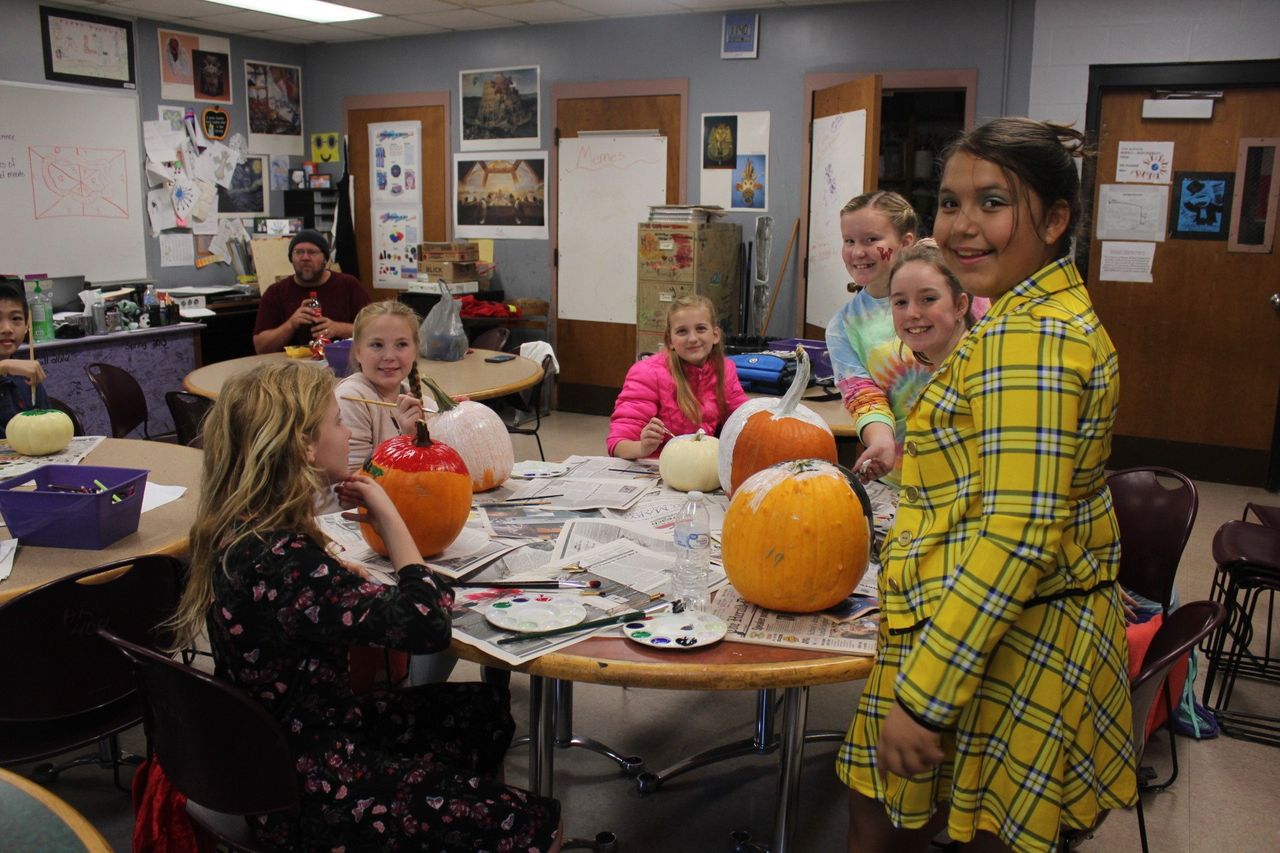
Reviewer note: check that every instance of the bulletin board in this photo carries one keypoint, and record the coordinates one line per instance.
(71, 196)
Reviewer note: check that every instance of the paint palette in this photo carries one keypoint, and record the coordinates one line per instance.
(526, 613)
(535, 470)
(677, 631)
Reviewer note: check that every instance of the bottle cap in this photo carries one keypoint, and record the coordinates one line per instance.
(695, 495)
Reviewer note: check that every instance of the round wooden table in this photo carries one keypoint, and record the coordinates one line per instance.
(724, 666)
(161, 531)
(32, 818)
(470, 377)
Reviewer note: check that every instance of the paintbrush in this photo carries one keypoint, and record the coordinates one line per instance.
(532, 584)
(581, 626)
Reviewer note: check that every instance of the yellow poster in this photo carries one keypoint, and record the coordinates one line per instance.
(326, 147)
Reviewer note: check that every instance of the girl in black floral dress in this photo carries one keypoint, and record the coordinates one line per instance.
(409, 770)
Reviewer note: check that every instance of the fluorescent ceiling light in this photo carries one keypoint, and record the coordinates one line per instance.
(317, 11)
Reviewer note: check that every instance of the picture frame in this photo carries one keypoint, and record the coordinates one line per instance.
(273, 96)
(297, 179)
(247, 195)
(500, 197)
(321, 181)
(500, 108)
(740, 36)
(1200, 208)
(90, 49)
(194, 67)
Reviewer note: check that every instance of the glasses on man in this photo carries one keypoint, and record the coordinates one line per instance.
(306, 253)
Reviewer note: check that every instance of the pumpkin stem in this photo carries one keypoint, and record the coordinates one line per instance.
(443, 400)
(699, 435)
(801, 381)
(423, 438)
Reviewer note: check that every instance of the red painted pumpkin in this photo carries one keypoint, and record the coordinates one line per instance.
(430, 486)
(797, 536)
(768, 430)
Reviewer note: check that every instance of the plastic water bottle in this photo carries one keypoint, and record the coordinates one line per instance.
(41, 315)
(693, 553)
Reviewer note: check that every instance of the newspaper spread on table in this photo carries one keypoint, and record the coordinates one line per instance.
(14, 464)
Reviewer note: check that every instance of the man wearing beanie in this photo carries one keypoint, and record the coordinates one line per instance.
(282, 319)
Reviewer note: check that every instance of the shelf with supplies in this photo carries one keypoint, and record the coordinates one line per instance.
(317, 208)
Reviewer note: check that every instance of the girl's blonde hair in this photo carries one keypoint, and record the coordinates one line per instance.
(927, 252)
(902, 216)
(685, 398)
(388, 308)
(256, 476)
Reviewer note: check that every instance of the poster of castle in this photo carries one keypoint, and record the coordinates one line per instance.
(499, 108)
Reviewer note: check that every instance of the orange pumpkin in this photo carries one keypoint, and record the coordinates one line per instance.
(768, 430)
(430, 486)
(797, 536)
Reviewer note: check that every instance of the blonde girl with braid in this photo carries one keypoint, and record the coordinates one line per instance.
(384, 366)
(686, 387)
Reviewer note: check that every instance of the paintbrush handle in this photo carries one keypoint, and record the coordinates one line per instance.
(572, 629)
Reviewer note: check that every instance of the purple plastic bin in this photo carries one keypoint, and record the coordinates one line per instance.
(819, 358)
(338, 354)
(67, 510)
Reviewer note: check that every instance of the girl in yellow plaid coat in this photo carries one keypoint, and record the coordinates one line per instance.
(998, 707)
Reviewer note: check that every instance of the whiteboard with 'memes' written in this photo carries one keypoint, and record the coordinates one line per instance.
(71, 200)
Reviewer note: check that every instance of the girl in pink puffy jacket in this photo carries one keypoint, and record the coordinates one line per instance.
(687, 387)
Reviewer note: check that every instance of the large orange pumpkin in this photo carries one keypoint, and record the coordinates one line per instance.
(797, 536)
(768, 430)
(430, 486)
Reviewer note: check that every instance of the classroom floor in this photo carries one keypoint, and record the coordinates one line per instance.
(1224, 800)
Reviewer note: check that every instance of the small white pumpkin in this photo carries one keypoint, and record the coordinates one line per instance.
(689, 463)
(478, 434)
(39, 432)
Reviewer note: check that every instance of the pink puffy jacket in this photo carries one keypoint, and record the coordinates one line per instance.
(650, 390)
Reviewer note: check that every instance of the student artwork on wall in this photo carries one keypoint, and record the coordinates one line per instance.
(326, 147)
(499, 108)
(735, 160)
(1201, 206)
(247, 195)
(91, 49)
(194, 67)
(274, 94)
(501, 198)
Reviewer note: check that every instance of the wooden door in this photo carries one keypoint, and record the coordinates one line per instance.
(436, 186)
(594, 356)
(862, 93)
(1200, 346)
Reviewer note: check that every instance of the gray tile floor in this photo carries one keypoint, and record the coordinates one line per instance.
(1225, 801)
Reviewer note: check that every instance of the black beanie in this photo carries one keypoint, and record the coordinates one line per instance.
(315, 238)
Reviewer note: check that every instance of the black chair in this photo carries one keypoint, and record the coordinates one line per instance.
(123, 397)
(1156, 509)
(63, 687)
(492, 339)
(1183, 628)
(76, 428)
(189, 411)
(522, 407)
(218, 746)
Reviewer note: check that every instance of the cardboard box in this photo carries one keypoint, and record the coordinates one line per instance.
(426, 284)
(449, 252)
(448, 270)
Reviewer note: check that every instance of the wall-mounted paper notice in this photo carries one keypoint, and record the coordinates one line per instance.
(1124, 261)
(177, 250)
(1145, 162)
(1127, 212)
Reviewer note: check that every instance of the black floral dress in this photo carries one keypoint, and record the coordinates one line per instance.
(407, 770)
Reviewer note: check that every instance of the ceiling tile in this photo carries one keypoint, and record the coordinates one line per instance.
(621, 8)
(246, 22)
(172, 8)
(391, 27)
(400, 7)
(462, 19)
(542, 12)
(313, 32)
(484, 4)
(719, 5)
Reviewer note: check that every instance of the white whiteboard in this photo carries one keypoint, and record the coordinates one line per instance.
(836, 167)
(606, 186)
(71, 199)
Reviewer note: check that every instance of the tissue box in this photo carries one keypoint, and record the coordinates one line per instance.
(67, 510)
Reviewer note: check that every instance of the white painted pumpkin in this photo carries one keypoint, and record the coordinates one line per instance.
(479, 436)
(767, 430)
(688, 463)
(39, 432)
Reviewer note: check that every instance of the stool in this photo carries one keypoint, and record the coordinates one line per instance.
(1267, 515)
(1248, 559)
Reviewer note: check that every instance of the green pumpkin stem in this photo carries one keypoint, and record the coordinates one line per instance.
(443, 400)
(423, 438)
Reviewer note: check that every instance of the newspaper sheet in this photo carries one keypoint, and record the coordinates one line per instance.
(751, 624)
(521, 521)
(471, 550)
(14, 464)
(574, 493)
(659, 509)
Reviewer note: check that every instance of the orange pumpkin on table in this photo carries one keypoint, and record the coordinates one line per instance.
(766, 430)
(797, 536)
(430, 486)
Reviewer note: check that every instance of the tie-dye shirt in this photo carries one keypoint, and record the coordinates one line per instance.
(879, 379)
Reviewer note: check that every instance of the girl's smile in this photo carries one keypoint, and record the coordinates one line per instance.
(926, 316)
(692, 334)
(869, 244)
(386, 353)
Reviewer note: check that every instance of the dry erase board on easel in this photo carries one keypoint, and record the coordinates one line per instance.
(71, 200)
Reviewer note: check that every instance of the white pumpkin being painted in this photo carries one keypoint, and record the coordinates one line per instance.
(689, 463)
(479, 436)
(39, 432)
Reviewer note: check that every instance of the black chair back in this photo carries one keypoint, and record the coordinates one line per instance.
(1179, 633)
(123, 397)
(493, 339)
(1155, 524)
(217, 745)
(189, 411)
(76, 428)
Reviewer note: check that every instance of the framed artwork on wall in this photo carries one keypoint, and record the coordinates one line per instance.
(247, 195)
(499, 108)
(1201, 207)
(90, 49)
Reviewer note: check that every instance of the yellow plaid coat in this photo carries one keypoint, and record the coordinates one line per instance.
(1001, 626)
